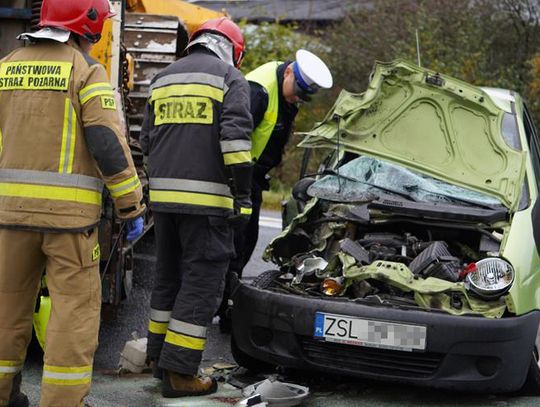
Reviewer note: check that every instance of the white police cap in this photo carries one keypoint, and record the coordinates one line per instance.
(311, 72)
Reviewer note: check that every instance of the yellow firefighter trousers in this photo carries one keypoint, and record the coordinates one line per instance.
(71, 261)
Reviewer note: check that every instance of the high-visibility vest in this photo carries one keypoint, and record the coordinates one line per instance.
(41, 319)
(266, 76)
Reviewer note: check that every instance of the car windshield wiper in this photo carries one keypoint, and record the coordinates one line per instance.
(459, 199)
(330, 172)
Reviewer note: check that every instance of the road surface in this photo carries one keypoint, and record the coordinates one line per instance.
(109, 390)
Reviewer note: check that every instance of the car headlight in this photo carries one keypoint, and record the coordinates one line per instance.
(491, 278)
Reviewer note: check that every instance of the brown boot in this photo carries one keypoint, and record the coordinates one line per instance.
(180, 385)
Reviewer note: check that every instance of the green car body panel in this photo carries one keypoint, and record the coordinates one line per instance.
(449, 130)
(518, 245)
(430, 123)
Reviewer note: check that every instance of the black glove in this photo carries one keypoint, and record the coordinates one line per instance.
(240, 179)
(242, 212)
(261, 178)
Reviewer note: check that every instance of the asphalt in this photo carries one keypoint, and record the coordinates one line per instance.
(111, 390)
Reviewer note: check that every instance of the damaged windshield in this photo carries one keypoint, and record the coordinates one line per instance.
(365, 179)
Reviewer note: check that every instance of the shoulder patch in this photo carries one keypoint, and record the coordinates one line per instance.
(108, 102)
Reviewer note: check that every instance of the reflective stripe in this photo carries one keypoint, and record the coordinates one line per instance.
(189, 185)
(187, 329)
(158, 328)
(188, 89)
(97, 89)
(67, 376)
(189, 78)
(189, 198)
(237, 158)
(185, 341)
(124, 187)
(69, 135)
(246, 211)
(230, 146)
(8, 368)
(51, 178)
(160, 316)
(67, 369)
(50, 193)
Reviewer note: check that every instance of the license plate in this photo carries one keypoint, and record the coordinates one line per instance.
(371, 333)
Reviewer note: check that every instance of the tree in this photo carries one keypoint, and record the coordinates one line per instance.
(484, 42)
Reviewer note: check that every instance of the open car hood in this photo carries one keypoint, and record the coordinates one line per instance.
(431, 123)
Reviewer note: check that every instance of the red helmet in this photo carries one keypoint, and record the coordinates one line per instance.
(83, 17)
(227, 28)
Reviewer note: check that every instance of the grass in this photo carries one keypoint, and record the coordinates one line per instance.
(272, 199)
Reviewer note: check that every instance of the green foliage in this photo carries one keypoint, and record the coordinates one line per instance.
(484, 42)
(273, 42)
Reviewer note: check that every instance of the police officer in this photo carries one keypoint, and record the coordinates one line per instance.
(59, 144)
(276, 89)
(196, 133)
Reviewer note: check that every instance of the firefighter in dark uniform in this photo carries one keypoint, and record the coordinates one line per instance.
(276, 89)
(196, 133)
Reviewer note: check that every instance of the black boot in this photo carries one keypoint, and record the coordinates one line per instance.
(16, 398)
(157, 372)
(225, 324)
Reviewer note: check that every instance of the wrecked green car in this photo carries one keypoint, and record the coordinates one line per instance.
(413, 255)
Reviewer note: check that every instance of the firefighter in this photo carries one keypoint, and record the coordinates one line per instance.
(60, 144)
(276, 90)
(196, 133)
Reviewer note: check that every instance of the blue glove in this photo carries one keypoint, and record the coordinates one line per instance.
(135, 228)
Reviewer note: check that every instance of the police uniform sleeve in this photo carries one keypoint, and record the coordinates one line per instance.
(235, 131)
(259, 102)
(108, 145)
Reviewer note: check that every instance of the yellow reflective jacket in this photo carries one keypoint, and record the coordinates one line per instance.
(60, 141)
(265, 76)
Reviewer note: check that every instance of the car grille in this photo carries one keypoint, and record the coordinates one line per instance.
(360, 359)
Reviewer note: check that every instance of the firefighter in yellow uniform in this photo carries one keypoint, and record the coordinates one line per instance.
(60, 144)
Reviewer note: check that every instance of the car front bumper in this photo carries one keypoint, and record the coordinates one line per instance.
(471, 354)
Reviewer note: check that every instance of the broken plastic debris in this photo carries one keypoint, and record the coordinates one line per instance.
(224, 366)
(278, 394)
(253, 401)
(309, 266)
(133, 356)
(208, 371)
